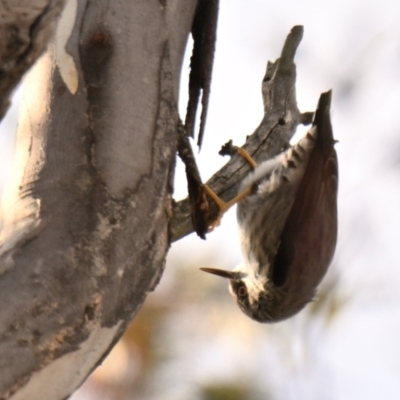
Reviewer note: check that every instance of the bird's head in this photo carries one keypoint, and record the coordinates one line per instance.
(248, 291)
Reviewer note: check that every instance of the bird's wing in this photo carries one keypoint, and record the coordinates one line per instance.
(309, 236)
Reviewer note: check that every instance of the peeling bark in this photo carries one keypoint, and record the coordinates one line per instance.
(85, 219)
(25, 29)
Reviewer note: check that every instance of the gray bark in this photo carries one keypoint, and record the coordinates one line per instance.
(85, 220)
(25, 29)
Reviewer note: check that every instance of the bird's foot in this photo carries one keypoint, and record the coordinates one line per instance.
(224, 206)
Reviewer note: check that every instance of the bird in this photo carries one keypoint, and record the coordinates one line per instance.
(287, 218)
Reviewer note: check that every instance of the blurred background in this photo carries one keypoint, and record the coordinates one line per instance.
(190, 340)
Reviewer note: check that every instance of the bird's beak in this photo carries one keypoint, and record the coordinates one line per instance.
(221, 272)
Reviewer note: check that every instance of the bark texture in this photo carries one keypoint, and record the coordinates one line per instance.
(85, 220)
(25, 29)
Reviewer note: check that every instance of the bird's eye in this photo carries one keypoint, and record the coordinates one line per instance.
(242, 291)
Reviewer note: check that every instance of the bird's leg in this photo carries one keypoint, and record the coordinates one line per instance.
(246, 156)
(226, 205)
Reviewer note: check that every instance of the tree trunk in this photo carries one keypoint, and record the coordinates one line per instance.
(85, 219)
